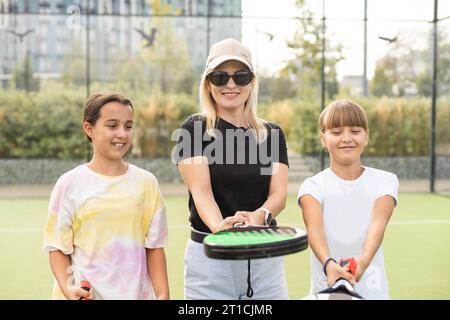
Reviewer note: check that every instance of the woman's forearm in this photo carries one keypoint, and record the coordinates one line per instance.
(195, 174)
(275, 203)
(207, 209)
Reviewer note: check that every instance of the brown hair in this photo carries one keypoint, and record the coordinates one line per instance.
(343, 113)
(96, 101)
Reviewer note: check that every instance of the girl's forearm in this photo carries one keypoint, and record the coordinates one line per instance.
(374, 237)
(60, 264)
(312, 216)
(381, 214)
(157, 271)
(317, 241)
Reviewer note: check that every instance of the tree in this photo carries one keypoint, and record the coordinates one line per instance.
(73, 69)
(132, 71)
(157, 119)
(407, 70)
(167, 58)
(397, 71)
(382, 82)
(275, 88)
(23, 76)
(305, 67)
(424, 80)
(45, 124)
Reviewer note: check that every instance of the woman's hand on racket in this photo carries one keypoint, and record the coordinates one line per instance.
(335, 272)
(252, 217)
(229, 222)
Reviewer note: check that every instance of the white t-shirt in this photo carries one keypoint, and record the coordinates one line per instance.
(105, 224)
(347, 209)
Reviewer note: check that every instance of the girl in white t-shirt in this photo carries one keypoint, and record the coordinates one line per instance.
(107, 220)
(347, 206)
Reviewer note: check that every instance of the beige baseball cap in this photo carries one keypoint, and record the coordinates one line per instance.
(229, 49)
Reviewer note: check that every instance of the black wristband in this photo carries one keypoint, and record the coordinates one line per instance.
(326, 263)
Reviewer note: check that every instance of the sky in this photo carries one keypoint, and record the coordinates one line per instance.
(344, 22)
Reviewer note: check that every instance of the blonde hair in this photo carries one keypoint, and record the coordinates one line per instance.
(343, 113)
(208, 106)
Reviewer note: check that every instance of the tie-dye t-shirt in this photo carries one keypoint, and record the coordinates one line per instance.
(105, 224)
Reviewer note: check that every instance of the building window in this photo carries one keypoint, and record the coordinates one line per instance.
(127, 7)
(115, 7)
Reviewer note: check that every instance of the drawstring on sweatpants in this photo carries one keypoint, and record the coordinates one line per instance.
(249, 283)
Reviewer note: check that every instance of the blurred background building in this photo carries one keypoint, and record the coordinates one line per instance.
(391, 57)
(49, 31)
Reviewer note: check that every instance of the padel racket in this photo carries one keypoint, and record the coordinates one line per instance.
(342, 289)
(351, 262)
(254, 242)
(85, 285)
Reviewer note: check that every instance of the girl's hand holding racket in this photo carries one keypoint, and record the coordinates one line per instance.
(360, 268)
(76, 293)
(336, 272)
(86, 286)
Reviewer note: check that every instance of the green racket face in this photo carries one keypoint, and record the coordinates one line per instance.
(254, 242)
(246, 238)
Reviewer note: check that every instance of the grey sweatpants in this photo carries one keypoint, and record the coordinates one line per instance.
(206, 278)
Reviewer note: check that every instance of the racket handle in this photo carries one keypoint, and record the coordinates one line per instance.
(352, 263)
(85, 285)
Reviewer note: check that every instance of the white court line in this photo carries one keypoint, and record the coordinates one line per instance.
(185, 226)
(30, 230)
(20, 230)
(397, 222)
(420, 222)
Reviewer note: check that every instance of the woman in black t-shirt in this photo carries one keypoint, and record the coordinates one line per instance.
(235, 167)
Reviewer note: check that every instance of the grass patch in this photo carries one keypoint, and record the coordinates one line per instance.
(417, 255)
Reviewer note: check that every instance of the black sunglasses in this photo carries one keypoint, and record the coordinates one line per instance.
(221, 78)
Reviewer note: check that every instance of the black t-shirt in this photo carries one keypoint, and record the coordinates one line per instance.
(240, 169)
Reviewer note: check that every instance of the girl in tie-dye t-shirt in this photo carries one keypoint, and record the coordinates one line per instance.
(107, 219)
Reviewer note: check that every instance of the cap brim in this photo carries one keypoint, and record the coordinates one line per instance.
(219, 60)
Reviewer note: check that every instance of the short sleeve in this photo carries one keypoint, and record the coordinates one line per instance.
(277, 133)
(189, 139)
(157, 233)
(388, 186)
(58, 232)
(309, 187)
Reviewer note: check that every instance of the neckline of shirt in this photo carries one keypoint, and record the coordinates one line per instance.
(110, 178)
(349, 182)
(231, 125)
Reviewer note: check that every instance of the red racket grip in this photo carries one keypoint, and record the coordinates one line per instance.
(351, 262)
(85, 285)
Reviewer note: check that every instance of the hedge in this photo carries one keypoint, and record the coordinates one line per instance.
(47, 124)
